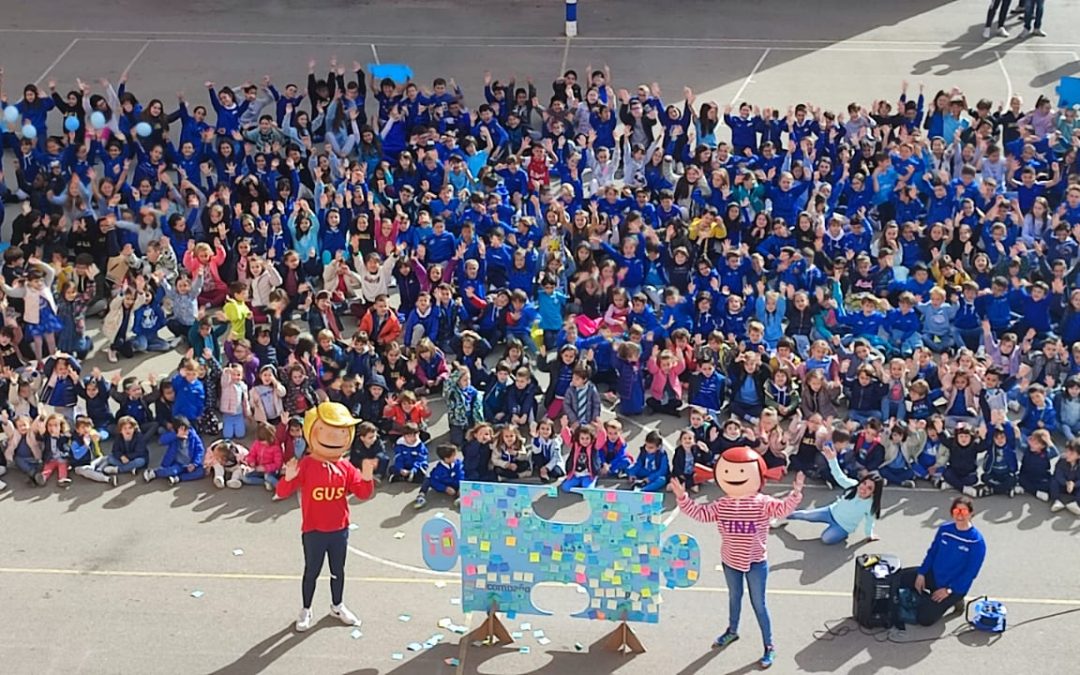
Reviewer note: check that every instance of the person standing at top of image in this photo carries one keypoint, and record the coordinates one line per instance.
(1001, 7)
(950, 566)
(1033, 16)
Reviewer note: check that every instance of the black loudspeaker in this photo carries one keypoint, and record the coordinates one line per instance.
(875, 587)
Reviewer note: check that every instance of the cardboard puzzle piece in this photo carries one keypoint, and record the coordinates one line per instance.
(1068, 91)
(616, 555)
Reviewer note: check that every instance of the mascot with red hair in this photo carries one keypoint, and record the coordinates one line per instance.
(742, 518)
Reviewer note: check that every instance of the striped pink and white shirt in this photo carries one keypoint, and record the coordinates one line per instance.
(743, 523)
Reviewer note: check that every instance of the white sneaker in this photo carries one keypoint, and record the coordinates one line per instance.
(777, 523)
(269, 486)
(1042, 496)
(3, 485)
(303, 622)
(1001, 32)
(111, 355)
(1056, 506)
(970, 491)
(174, 480)
(342, 613)
(1039, 32)
(1025, 33)
(148, 475)
(1018, 490)
(234, 483)
(219, 481)
(109, 470)
(1073, 508)
(986, 33)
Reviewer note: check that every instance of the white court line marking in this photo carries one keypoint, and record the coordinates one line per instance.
(366, 38)
(565, 56)
(135, 58)
(56, 61)
(746, 82)
(794, 592)
(550, 45)
(401, 566)
(375, 54)
(1008, 80)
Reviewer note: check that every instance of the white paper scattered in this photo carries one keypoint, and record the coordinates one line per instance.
(197, 594)
(526, 626)
(445, 622)
(397, 656)
(440, 584)
(404, 618)
(399, 535)
(517, 635)
(455, 601)
(543, 641)
(460, 630)
(523, 650)
(439, 514)
(354, 526)
(415, 646)
(538, 634)
(356, 634)
(238, 551)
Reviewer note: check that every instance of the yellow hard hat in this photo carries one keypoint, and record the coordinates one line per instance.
(331, 414)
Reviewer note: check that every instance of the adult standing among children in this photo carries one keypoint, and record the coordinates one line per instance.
(950, 566)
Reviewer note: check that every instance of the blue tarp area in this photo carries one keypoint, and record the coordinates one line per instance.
(398, 72)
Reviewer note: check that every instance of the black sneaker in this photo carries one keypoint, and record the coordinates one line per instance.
(39, 479)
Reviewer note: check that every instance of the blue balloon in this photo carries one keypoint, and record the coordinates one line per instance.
(71, 124)
(97, 119)
(142, 129)
(11, 114)
(29, 132)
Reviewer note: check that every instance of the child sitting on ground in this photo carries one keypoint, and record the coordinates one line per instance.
(650, 472)
(410, 456)
(1065, 485)
(265, 458)
(224, 458)
(546, 459)
(184, 451)
(444, 477)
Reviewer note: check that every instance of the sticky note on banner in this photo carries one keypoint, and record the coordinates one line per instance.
(534, 557)
(511, 522)
(610, 496)
(485, 546)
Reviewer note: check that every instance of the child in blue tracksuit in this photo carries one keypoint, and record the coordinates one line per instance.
(183, 458)
(549, 305)
(1000, 464)
(1038, 413)
(444, 477)
(1034, 476)
(611, 454)
(650, 472)
(410, 456)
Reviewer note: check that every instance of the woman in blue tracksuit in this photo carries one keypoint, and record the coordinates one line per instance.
(950, 566)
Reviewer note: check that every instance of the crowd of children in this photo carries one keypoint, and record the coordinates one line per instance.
(898, 283)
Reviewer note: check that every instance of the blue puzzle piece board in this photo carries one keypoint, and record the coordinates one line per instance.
(616, 554)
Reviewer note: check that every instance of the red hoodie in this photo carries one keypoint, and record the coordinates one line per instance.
(324, 492)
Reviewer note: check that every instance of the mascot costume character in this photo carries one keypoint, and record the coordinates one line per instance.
(742, 518)
(325, 481)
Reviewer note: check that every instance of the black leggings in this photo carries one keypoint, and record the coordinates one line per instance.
(332, 545)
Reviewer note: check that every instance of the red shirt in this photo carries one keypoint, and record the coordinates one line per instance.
(324, 492)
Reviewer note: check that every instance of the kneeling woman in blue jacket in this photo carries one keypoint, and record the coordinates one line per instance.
(861, 503)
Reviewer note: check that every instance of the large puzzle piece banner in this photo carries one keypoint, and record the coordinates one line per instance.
(616, 555)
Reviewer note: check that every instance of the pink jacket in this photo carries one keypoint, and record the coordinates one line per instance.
(192, 264)
(267, 455)
(661, 380)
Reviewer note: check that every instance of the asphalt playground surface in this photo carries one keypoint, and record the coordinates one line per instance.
(151, 579)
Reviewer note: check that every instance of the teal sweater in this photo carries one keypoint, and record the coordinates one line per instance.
(848, 512)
